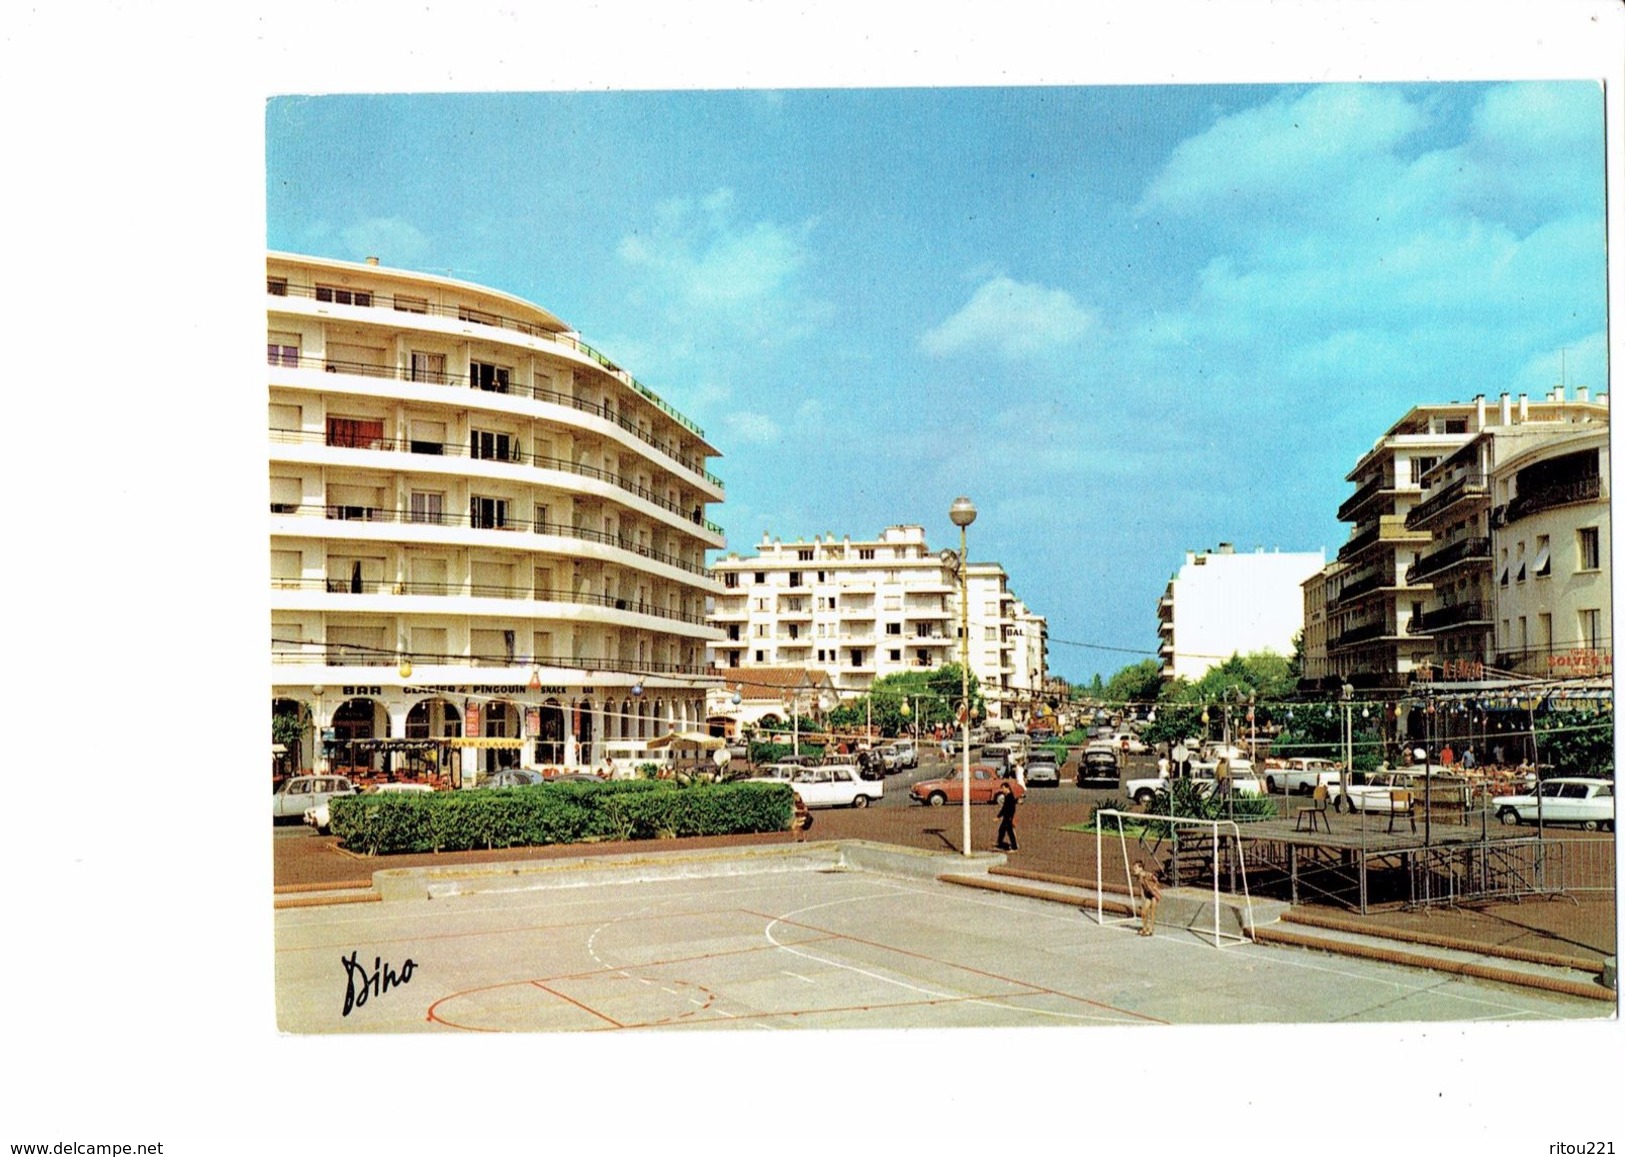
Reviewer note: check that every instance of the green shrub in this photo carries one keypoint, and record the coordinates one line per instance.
(555, 813)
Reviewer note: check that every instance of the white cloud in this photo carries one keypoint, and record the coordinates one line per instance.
(746, 427)
(1014, 318)
(390, 239)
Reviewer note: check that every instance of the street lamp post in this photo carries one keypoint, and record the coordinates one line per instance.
(963, 513)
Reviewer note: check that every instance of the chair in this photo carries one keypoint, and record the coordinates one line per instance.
(1315, 811)
(1401, 800)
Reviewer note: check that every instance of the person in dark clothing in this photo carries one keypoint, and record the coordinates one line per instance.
(1007, 820)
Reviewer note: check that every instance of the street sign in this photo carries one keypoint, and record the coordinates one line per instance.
(1180, 753)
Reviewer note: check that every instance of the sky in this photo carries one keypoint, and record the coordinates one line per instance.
(1127, 321)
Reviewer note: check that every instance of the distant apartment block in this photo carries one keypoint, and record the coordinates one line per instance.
(1222, 603)
(861, 610)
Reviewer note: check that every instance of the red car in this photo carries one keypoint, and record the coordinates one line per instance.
(987, 785)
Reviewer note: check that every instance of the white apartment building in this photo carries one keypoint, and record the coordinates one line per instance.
(487, 541)
(1551, 543)
(863, 610)
(1221, 603)
(1412, 593)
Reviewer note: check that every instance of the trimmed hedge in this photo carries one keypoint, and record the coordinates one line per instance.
(382, 823)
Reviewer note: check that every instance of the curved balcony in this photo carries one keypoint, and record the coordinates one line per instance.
(1583, 489)
(514, 456)
(385, 514)
(1463, 550)
(306, 652)
(1460, 615)
(508, 389)
(463, 313)
(1469, 487)
(364, 587)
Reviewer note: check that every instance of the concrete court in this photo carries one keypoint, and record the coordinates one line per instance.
(797, 938)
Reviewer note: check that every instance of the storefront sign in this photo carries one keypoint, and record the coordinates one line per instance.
(485, 689)
(362, 690)
(1581, 663)
(471, 721)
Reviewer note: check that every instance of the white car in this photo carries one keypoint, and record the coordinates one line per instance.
(1587, 802)
(1374, 791)
(320, 815)
(835, 785)
(1242, 781)
(1129, 742)
(1301, 775)
(303, 792)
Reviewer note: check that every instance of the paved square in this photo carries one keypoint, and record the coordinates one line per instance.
(818, 948)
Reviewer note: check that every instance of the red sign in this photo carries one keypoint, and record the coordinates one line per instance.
(1581, 662)
(471, 722)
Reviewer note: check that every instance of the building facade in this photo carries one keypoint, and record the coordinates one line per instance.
(1221, 603)
(1551, 540)
(862, 610)
(487, 541)
(1415, 589)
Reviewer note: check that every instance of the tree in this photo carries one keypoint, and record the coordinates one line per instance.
(1140, 683)
(1576, 742)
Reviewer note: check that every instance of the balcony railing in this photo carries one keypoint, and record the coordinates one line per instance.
(507, 387)
(1467, 486)
(1354, 501)
(1360, 635)
(439, 518)
(514, 456)
(1444, 617)
(306, 652)
(483, 591)
(498, 321)
(1460, 551)
(1355, 589)
(1583, 489)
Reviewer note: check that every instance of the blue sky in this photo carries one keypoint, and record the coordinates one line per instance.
(1127, 321)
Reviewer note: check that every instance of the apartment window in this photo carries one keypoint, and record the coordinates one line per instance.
(761, 630)
(922, 658)
(1590, 555)
(1523, 632)
(894, 656)
(427, 506)
(282, 349)
(464, 313)
(428, 367)
(894, 628)
(276, 286)
(761, 577)
(795, 578)
(427, 437)
(804, 555)
(1591, 629)
(488, 377)
(730, 579)
(1543, 555)
(1543, 628)
(411, 304)
(823, 576)
(341, 296)
(355, 433)
(733, 632)
(990, 634)
(733, 658)
(761, 656)
(795, 631)
(826, 602)
(867, 553)
(922, 630)
(487, 513)
(857, 657)
(489, 444)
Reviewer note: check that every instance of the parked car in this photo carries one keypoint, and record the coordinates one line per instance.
(836, 785)
(1129, 742)
(512, 777)
(1008, 756)
(1587, 802)
(1374, 791)
(1242, 781)
(1042, 770)
(303, 792)
(987, 785)
(1301, 775)
(320, 816)
(1098, 766)
(908, 755)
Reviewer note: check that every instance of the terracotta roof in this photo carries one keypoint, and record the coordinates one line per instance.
(773, 682)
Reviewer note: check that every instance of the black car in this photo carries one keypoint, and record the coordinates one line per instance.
(1098, 768)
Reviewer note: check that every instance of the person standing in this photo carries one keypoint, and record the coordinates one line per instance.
(1151, 890)
(1007, 820)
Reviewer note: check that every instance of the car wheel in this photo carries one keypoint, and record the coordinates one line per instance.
(1590, 825)
(1143, 797)
(860, 801)
(1509, 817)
(937, 799)
(1269, 784)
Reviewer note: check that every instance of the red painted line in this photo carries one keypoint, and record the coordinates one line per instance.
(578, 1004)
